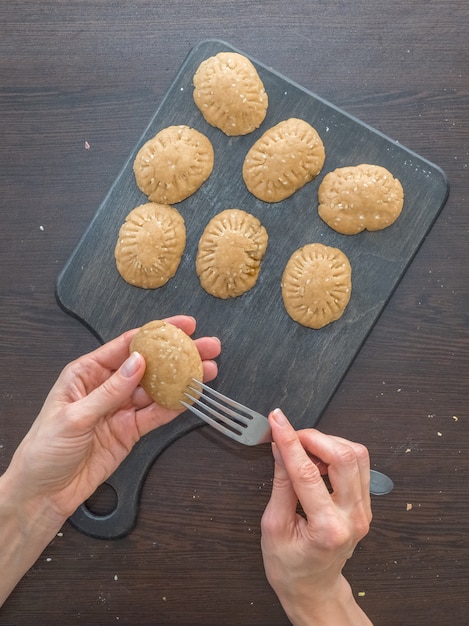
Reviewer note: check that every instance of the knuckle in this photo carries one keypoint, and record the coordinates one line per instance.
(360, 520)
(344, 531)
(352, 454)
(110, 387)
(362, 526)
(270, 525)
(267, 522)
(361, 452)
(70, 370)
(338, 536)
(342, 537)
(307, 472)
(346, 455)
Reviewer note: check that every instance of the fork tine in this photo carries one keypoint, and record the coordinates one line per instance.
(236, 405)
(235, 425)
(236, 416)
(212, 422)
(239, 422)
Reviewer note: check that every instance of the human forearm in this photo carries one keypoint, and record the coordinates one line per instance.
(26, 528)
(337, 607)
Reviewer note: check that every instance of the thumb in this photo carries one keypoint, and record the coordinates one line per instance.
(113, 392)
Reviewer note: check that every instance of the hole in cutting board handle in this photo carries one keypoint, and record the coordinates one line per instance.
(126, 483)
(103, 501)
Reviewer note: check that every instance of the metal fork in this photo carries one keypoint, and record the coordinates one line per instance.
(241, 424)
(237, 421)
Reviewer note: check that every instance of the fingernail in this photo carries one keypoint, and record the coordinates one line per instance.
(131, 365)
(277, 456)
(279, 417)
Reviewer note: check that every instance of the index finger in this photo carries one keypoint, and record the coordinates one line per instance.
(112, 354)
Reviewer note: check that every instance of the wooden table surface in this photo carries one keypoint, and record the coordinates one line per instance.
(79, 82)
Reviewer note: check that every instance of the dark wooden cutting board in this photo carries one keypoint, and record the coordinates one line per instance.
(267, 360)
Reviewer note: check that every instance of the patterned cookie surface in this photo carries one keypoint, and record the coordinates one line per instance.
(360, 197)
(150, 245)
(316, 285)
(230, 252)
(283, 160)
(230, 94)
(172, 361)
(173, 164)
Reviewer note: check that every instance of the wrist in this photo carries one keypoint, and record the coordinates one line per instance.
(26, 529)
(333, 606)
(33, 512)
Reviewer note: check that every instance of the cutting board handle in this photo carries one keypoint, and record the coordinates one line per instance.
(127, 482)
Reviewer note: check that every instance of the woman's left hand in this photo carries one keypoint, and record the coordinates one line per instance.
(91, 419)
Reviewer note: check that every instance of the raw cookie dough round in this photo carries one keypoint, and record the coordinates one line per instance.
(283, 160)
(172, 361)
(230, 252)
(230, 94)
(360, 197)
(174, 164)
(150, 245)
(316, 285)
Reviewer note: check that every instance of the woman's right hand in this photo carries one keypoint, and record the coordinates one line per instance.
(304, 555)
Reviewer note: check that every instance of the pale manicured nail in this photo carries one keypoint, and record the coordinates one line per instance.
(279, 417)
(131, 365)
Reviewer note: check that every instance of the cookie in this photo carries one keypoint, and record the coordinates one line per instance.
(172, 361)
(174, 164)
(316, 285)
(360, 197)
(230, 252)
(283, 160)
(150, 245)
(230, 94)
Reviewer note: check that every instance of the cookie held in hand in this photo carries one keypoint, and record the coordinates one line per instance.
(172, 361)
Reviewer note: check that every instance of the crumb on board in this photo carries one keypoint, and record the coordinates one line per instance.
(409, 506)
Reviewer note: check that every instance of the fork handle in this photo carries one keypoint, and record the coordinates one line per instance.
(127, 482)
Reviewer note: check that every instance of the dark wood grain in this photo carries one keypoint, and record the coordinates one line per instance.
(72, 73)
